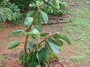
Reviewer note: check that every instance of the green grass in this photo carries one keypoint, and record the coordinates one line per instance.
(1, 58)
(1, 27)
(79, 31)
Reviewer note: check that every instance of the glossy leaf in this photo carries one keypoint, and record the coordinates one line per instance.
(33, 60)
(35, 31)
(44, 16)
(30, 33)
(47, 46)
(40, 27)
(56, 41)
(28, 21)
(57, 4)
(13, 44)
(44, 34)
(29, 14)
(32, 5)
(67, 39)
(42, 54)
(20, 56)
(50, 53)
(55, 56)
(25, 57)
(30, 45)
(57, 36)
(54, 47)
(17, 31)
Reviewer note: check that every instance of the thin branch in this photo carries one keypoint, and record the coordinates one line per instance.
(41, 41)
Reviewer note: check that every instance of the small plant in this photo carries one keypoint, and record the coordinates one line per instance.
(1, 27)
(42, 47)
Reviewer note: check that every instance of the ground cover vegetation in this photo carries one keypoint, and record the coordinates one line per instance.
(9, 12)
(79, 30)
(13, 10)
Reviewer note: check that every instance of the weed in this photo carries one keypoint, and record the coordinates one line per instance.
(2, 27)
(1, 58)
(78, 58)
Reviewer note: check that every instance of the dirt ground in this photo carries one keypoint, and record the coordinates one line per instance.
(10, 56)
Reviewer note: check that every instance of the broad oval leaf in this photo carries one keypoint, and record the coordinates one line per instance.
(30, 45)
(57, 36)
(40, 27)
(28, 21)
(25, 57)
(42, 55)
(30, 13)
(55, 56)
(29, 33)
(17, 31)
(44, 16)
(67, 39)
(54, 47)
(44, 34)
(13, 44)
(57, 4)
(36, 31)
(56, 41)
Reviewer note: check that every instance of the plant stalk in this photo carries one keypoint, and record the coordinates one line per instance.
(41, 41)
(26, 40)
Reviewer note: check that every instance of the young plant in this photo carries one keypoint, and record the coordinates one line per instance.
(42, 47)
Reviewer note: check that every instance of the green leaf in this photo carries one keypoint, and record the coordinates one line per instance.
(46, 62)
(25, 57)
(50, 53)
(56, 41)
(44, 34)
(28, 21)
(17, 31)
(20, 56)
(29, 60)
(35, 31)
(47, 46)
(57, 36)
(30, 13)
(55, 56)
(67, 39)
(57, 4)
(32, 5)
(30, 45)
(40, 27)
(30, 33)
(44, 16)
(38, 3)
(13, 44)
(54, 47)
(42, 55)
